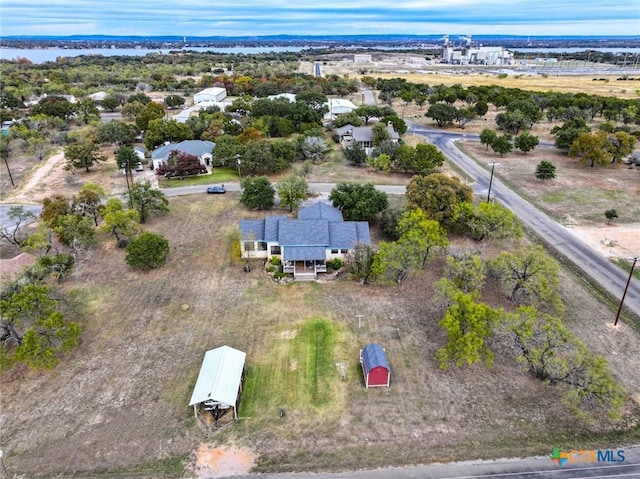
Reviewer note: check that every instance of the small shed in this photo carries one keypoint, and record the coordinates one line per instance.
(218, 387)
(375, 366)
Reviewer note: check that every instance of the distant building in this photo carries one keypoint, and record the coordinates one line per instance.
(362, 58)
(470, 55)
(215, 94)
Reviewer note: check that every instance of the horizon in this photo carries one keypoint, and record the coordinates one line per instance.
(116, 18)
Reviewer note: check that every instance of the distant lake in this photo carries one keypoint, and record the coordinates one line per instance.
(41, 55)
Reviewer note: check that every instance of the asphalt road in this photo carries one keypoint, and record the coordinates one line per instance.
(589, 261)
(529, 468)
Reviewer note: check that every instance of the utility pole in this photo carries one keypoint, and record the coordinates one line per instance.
(615, 323)
(493, 166)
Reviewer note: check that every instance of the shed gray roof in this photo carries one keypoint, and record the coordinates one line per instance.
(373, 356)
(192, 147)
(363, 134)
(219, 377)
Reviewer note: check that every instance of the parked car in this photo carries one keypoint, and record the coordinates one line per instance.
(216, 190)
(139, 167)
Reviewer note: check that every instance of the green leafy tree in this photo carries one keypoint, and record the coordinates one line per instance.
(620, 145)
(530, 276)
(469, 326)
(257, 193)
(382, 162)
(115, 133)
(380, 133)
(358, 202)
(512, 121)
(173, 101)
(487, 137)
(355, 154)
(437, 195)
(147, 201)
(366, 112)
(75, 232)
(421, 234)
(566, 134)
(466, 270)
(120, 222)
(82, 154)
(359, 263)
(88, 201)
(146, 252)
(545, 170)
(502, 144)
(465, 115)
(610, 214)
(551, 353)
(151, 111)
(87, 110)
(33, 330)
(526, 142)
(488, 220)
(394, 261)
(160, 131)
(292, 190)
(127, 160)
(592, 148)
(227, 147)
(443, 114)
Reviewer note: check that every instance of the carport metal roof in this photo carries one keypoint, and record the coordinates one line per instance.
(220, 376)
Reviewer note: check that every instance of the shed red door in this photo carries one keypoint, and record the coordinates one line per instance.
(378, 376)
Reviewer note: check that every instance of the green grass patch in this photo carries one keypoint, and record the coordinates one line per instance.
(298, 371)
(219, 175)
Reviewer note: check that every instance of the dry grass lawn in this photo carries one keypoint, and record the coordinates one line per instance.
(121, 398)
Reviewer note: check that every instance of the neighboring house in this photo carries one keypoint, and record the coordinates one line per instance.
(336, 107)
(140, 152)
(289, 96)
(98, 96)
(215, 94)
(202, 149)
(305, 244)
(363, 135)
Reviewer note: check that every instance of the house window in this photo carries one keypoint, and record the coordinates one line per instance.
(262, 246)
(249, 246)
(344, 251)
(276, 250)
(335, 251)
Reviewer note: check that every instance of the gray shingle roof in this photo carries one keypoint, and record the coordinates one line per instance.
(303, 233)
(191, 147)
(252, 230)
(302, 253)
(320, 210)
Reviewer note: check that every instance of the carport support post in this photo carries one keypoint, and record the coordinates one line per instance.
(633, 265)
(359, 316)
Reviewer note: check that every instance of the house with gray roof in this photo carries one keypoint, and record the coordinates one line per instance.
(305, 244)
(363, 135)
(202, 149)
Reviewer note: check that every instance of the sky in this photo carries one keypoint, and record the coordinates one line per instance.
(305, 17)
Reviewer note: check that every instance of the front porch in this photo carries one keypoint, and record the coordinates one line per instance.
(305, 270)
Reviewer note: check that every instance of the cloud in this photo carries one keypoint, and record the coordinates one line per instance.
(268, 17)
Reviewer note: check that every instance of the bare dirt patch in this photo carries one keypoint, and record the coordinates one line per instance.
(221, 461)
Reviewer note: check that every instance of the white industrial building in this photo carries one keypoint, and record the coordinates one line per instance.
(215, 94)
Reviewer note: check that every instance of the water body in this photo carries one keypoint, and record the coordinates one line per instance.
(42, 55)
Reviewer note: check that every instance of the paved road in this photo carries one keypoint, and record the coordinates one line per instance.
(590, 261)
(530, 468)
(315, 187)
(5, 222)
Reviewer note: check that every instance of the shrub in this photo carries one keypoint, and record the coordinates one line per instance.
(279, 275)
(147, 251)
(335, 263)
(275, 261)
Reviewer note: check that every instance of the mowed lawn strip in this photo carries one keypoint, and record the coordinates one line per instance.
(296, 369)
